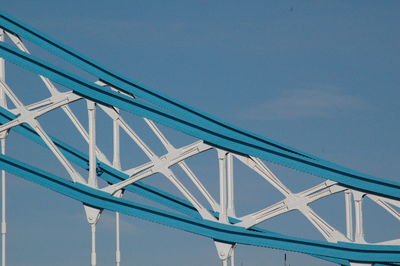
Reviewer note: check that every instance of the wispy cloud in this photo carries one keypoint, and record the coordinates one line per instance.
(306, 103)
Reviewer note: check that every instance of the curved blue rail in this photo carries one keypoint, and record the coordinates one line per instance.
(215, 230)
(113, 175)
(179, 116)
(101, 95)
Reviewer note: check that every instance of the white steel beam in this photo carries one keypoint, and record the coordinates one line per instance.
(92, 180)
(293, 201)
(54, 103)
(359, 230)
(55, 92)
(330, 233)
(114, 114)
(183, 165)
(259, 167)
(93, 254)
(161, 165)
(189, 196)
(384, 203)
(230, 186)
(29, 119)
(3, 103)
(119, 193)
(349, 214)
(223, 215)
(3, 203)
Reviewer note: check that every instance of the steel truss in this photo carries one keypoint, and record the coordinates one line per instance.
(217, 220)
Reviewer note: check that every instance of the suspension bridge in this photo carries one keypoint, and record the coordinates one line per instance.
(101, 182)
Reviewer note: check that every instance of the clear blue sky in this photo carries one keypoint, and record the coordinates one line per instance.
(321, 76)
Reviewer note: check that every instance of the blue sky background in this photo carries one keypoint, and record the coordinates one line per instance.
(321, 76)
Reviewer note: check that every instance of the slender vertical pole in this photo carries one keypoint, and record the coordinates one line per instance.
(93, 254)
(117, 165)
(349, 215)
(231, 192)
(222, 187)
(116, 145)
(358, 197)
(92, 180)
(226, 202)
(117, 242)
(3, 206)
(3, 103)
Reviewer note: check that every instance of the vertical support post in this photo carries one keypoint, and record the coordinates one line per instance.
(117, 165)
(117, 233)
(3, 204)
(91, 213)
(359, 234)
(231, 199)
(2, 72)
(226, 203)
(117, 242)
(3, 136)
(116, 144)
(231, 192)
(349, 214)
(93, 253)
(222, 187)
(92, 180)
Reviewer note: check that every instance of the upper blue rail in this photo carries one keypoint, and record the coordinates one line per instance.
(228, 139)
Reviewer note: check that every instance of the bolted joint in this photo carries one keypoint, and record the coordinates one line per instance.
(92, 214)
(224, 249)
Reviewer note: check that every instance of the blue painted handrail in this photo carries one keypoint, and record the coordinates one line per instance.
(104, 96)
(214, 230)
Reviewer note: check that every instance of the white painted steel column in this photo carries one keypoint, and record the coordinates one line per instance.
(226, 203)
(117, 165)
(3, 136)
(349, 214)
(3, 205)
(117, 241)
(231, 192)
(359, 234)
(222, 187)
(92, 180)
(93, 253)
(231, 199)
